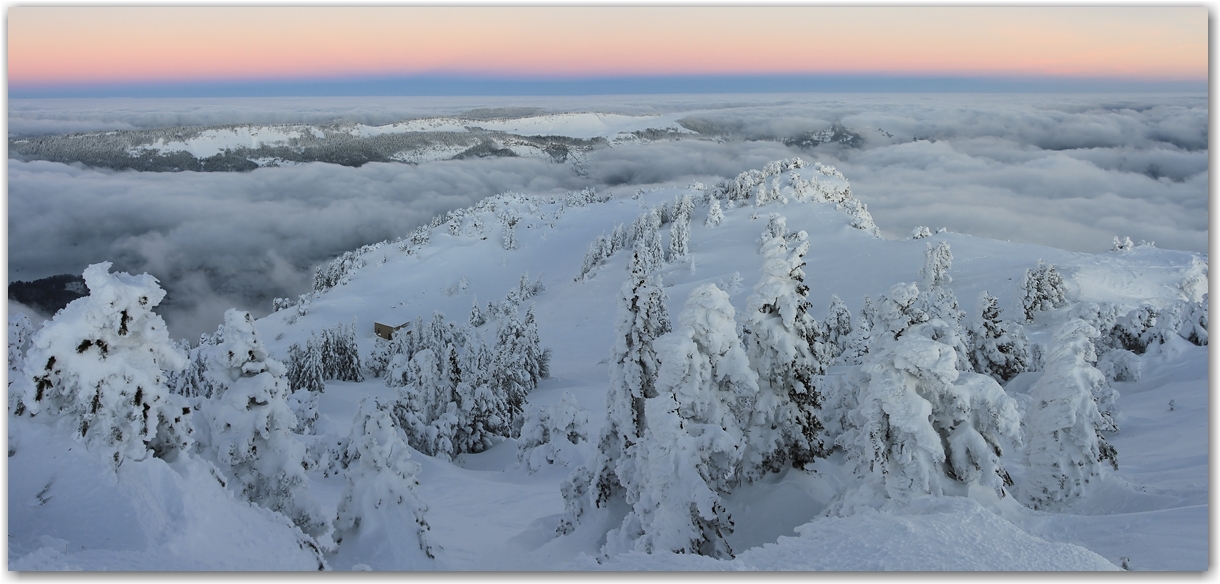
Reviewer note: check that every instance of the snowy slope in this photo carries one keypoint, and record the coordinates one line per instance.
(487, 512)
(213, 141)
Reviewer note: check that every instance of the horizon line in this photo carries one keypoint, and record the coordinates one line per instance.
(458, 85)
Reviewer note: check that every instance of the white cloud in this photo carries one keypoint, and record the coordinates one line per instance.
(1065, 171)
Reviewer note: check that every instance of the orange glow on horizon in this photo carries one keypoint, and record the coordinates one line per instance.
(82, 45)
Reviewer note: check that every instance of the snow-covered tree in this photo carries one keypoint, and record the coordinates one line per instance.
(937, 299)
(861, 336)
(714, 214)
(340, 355)
(679, 231)
(305, 371)
(921, 232)
(642, 318)
(784, 427)
(838, 326)
(552, 435)
(675, 511)
(1042, 289)
(1066, 447)
(514, 367)
(998, 348)
(20, 331)
(705, 365)
(1194, 325)
(1124, 244)
(98, 366)
(476, 316)
(380, 517)
(482, 410)
(251, 428)
(695, 433)
(919, 424)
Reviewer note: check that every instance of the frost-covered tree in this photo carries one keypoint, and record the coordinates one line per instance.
(1140, 328)
(98, 366)
(784, 427)
(251, 428)
(838, 326)
(714, 214)
(340, 354)
(1124, 244)
(856, 345)
(552, 434)
(20, 330)
(695, 434)
(919, 424)
(482, 411)
(1042, 289)
(675, 510)
(1194, 325)
(921, 232)
(381, 519)
(1066, 446)
(937, 299)
(515, 366)
(998, 348)
(305, 371)
(305, 382)
(679, 232)
(642, 318)
(476, 316)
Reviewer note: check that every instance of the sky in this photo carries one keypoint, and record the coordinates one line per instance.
(233, 50)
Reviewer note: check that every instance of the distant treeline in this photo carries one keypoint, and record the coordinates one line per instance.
(48, 295)
(332, 143)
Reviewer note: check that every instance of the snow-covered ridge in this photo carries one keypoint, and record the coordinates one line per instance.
(242, 147)
(785, 245)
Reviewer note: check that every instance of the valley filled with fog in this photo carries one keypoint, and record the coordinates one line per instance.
(298, 181)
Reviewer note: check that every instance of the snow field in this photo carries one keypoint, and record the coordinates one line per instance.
(486, 512)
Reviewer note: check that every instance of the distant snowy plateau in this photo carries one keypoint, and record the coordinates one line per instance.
(732, 376)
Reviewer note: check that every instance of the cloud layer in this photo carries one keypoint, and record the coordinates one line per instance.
(1064, 171)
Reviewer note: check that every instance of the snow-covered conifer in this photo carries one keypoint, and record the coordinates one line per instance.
(381, 519)
(920, 424)
(998, 348)
(340, 355)
(921, 232)
(838, 326)
(251, 428)
(675, 510)
(476, 316)
(861, 336)
(1194, 325)
(20, 330)
(694, 435)
(482, 411)
(551, 435)
(784, 427)
(1124, 244)
(714, 214)
(98, 365)
(1042, 289)
(305, 370)
(642, 318)
(897, 311)
(937, 299)
(679, 233)
(1066, 447)
(511, 368)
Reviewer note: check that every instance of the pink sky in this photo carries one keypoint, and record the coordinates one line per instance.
(71, 45)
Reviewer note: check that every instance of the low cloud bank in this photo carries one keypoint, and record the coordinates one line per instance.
(1065, 171)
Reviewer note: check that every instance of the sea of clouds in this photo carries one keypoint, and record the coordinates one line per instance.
(1069, 171)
